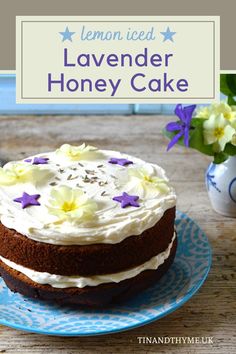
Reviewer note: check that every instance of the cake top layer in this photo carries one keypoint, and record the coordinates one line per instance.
(81, 195)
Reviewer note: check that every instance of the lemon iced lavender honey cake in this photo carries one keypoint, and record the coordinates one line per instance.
(85, 226)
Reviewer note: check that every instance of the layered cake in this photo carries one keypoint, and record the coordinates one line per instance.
(85, 226)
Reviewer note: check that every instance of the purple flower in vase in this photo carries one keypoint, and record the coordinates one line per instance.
(183, 126)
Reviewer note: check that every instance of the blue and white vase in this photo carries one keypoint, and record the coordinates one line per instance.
(221, 186)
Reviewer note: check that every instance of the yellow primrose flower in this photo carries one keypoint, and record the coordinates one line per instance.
(76, 152)
(16, 172)
(204, 112)
(215, 109)
(217, 131)
(146, 183)
(233, 123)
(226, 110)
(71, 204)
(233, 140)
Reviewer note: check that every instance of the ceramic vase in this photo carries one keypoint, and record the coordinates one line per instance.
(221, 186)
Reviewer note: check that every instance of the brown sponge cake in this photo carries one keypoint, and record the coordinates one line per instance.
(101, 295)
(85, 226)
(88, 260)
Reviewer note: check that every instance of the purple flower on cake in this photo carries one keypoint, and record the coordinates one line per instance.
(27, 200)
(183, 126)
(121, 162)
(38, 160)
(127, 200)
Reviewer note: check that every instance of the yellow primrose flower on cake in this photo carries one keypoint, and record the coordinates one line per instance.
(146, 183)
(16, 172)
(217, 131)
(76, 152)
(71, 204)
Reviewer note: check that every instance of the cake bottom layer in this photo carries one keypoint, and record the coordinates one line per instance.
(101, 295)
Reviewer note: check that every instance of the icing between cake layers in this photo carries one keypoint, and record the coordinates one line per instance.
(59, 281)
(103, 219)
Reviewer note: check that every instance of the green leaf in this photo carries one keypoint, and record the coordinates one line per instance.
(231, 101)
(228, 87)
(224, 88)
(220, 157)
(231, 81)
(197, 122)
(230, 149)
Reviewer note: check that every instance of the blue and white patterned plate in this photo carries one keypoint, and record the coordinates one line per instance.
(184, 278)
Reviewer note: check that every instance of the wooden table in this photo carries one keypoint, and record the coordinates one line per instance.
(212, 311)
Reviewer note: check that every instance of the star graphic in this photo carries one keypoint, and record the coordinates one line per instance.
(121, 162)
(67, 35)
(27, 200)
(168, 35)
(38, 160)
(127, 200)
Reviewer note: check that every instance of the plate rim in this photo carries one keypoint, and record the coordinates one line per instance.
(128, 327)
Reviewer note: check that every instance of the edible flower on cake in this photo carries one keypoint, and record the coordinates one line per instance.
(71, 204)
(20, 172)
(145, 183)
(77, 153)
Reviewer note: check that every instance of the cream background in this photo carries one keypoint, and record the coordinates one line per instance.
(42, 52)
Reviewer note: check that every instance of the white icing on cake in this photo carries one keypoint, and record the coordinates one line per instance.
(61, 281)
(101, 181)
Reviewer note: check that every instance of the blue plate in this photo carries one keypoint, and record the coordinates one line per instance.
(178, 285)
